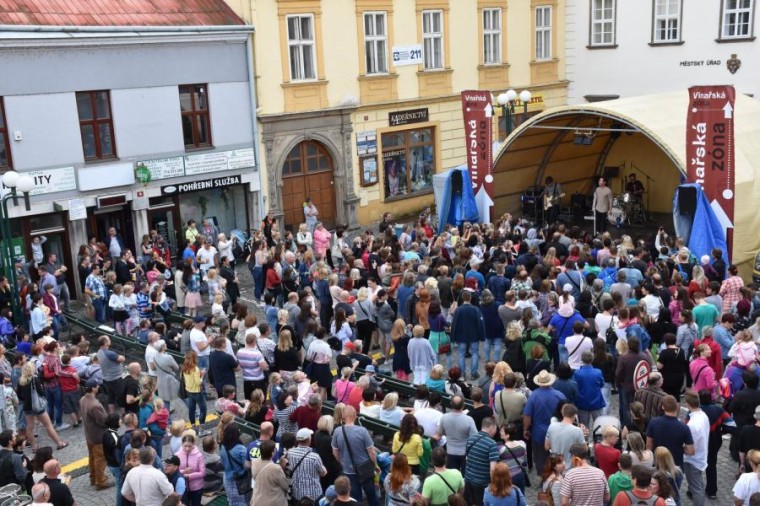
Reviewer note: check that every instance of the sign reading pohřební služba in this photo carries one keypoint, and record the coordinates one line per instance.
(204, 184)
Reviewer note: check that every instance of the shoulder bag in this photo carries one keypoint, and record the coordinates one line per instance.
(610, 335)
(365, 470)
(243, 482)
(522, 465)
(39, 403)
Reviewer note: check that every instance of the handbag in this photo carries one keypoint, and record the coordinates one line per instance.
(445, 347)
(182, 390)
(39, 403)
(243, 482)
(365, 470)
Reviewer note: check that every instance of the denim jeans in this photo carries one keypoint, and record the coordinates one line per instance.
(625, 406)
(564, 355)
(99, 306)
(490, 344)
(257, 273)
(696, 484)
(54, 399)
(474, 348)
(359, 490)
(56, 323)
(607, 395)
(203, 366)
(116, 472)
(196, 400)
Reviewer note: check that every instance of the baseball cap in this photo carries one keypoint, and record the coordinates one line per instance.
(567, 288)
(199, 319)
(303, 434)
(350, 346)
(173, 460)
(92, 382)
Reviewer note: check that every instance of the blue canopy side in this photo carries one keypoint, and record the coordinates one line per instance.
(456, 207)
(703, 231)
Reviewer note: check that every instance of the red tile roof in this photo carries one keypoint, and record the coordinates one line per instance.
(117, 13)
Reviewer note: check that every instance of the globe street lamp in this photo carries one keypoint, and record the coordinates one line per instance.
(16, 183)
(507, 102)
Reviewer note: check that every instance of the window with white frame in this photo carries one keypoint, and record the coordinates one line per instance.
(667, 21)
(491, 36)
(602, 22)
(432, 37)
(375, 43)
(544, 32)
(301, 47)
(737, 19)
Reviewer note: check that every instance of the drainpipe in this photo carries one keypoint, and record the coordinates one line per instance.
(254, 120)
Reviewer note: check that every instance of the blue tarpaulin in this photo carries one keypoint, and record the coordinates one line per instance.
(454, 198)
(703, 231)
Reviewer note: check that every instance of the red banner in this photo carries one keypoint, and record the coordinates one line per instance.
(710, 149)
(477, 111)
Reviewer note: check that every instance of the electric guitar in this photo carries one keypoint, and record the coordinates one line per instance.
(551, 201)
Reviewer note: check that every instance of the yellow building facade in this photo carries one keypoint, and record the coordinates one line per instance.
(359, 100)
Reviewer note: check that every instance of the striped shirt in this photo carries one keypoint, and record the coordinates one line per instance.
(481, 450)
(144, 307)
(249, 360)
(306, 478)
(585, 486)
(283, 418)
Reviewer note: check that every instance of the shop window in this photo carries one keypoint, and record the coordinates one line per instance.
(96, 125)
(196, 124)
(5, 146)
(408, 162)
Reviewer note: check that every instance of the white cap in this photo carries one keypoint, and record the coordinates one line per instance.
(303, 434)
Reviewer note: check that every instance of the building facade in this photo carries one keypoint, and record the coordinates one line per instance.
(132, 127)
(618, 48)
(359, 100)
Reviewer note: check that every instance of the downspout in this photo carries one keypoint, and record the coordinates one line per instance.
(254, 117)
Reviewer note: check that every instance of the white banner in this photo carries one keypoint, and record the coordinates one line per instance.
(407, 55)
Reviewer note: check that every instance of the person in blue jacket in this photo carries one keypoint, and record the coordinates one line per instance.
(590, 402)
(468, 330)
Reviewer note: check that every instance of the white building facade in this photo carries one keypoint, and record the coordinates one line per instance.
(623, 48)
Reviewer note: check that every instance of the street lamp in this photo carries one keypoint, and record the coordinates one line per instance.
(507, 102)
(17, 183)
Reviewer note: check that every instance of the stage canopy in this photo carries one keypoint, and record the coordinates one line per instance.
(645, 135)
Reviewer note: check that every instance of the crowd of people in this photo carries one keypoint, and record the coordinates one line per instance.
(566, 321)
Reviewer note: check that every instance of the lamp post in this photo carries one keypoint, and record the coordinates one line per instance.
(17, 183)
(507, 102)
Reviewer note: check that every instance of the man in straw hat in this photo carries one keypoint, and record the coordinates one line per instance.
(538, 414)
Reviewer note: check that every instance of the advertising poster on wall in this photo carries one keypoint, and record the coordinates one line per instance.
(394, 165)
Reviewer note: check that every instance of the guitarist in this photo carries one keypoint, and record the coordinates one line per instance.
(552, 196)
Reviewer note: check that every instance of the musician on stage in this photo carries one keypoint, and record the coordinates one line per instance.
(602, 205)
(552, 196)
(635, 188)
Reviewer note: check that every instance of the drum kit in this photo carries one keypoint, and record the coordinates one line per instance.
(627, 209)
(11, 495)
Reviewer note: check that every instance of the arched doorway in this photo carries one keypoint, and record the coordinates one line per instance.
(308, 172)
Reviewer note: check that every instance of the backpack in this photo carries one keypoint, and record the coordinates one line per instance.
(7, 474)
(610, 335)
(546, 496)
(637, 501)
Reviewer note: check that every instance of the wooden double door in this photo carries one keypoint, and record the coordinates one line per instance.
(308, 173)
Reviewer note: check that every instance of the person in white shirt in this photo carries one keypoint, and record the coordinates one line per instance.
(429, 417)
(576, 345)
(694, 465)
(199, 343)
(150, 354)
(206, 258)
(604, 319)
(652, 301)
(225, 248)
(146, 485)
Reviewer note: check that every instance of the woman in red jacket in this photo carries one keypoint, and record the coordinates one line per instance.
(273, 280)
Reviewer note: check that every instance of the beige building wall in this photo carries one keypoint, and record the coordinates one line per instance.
(343, 100)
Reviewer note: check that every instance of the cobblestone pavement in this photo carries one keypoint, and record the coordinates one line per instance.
(75, 456)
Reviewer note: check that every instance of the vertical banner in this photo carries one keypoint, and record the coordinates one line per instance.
(710, 150)
(477, 111)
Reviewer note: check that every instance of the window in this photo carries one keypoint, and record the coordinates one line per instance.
(544, 32)
(301, 47)
(96, 124)
(432, 36)
(737, 19)
(375, 43)
(196, 128)
(667, 21)
(408, 162)
(491, 36)
(5, 146)
(602, 22)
